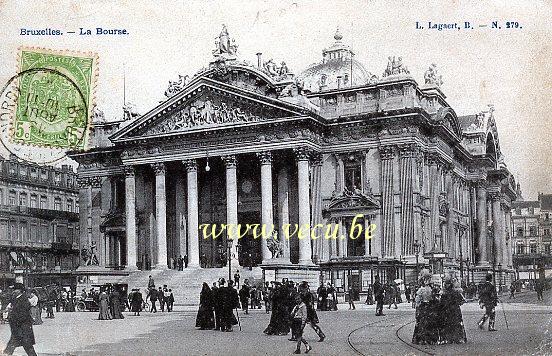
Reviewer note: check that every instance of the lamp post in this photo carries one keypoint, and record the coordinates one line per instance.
(417, 251)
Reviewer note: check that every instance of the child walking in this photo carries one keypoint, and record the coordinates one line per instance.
(299, 315)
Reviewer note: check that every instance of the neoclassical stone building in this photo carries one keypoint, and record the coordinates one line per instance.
(253, 143)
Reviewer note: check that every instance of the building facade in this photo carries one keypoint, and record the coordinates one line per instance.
(242, 143)
(532, 242)
(39, 225)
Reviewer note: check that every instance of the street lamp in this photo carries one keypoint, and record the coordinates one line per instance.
(417, 251)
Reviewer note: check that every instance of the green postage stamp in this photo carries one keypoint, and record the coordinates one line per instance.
(56, 94)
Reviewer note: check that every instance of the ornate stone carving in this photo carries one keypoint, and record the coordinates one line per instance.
(130, 112)
(225, 46)
(159, 168)
(495, 196)
(95, 182)
(229, 161)
(408, 150)
(275, 246)
(88, 255)
(83, 182)
(129, 171)
(432, 77)
(176, 86)
(265, 157)
(352, 199)
(395, 67)
(317, 159)
(443, 205)
(387, 152)
(203, 114)
(190, 165)
(302, 153)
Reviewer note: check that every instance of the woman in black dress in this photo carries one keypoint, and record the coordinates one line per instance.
(453, 326)
(279, 319)
(205, 318)
(425, 331)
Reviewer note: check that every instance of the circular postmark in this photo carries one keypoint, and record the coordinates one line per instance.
(43, 113)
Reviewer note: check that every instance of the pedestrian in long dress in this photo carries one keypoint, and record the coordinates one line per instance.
(116, 305)
(136, 302)
(279, 318)
(104, 306)
(21, 322)
(230, 301)
(205, 319)
(453, 331)
(216, 302)
(424, 330)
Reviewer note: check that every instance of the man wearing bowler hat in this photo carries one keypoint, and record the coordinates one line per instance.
(21, 322)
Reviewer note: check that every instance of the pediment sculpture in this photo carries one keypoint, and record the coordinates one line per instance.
(203, 113)
(176, 86)
(351, 198)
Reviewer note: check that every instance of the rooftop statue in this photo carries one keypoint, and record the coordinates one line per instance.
(129, 111)
(98, 115)
(395, 67)
(225, 46)
(177, 86)
(432, 77)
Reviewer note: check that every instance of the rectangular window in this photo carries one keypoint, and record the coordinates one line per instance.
(22, 199)
(519, 232)
(547, 249)
(353, 180)
(533, 247)
(24, 232)
(70, 205)
(520, 249)
(43, 202)
(533, 230)
(11, 200)
(547, 232)
(1, 197)
(3, 229)
(33, 203)
(57, 203)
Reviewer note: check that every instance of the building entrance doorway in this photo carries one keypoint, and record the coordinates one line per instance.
(249, 248)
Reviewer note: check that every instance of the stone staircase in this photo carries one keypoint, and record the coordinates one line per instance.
(186, 284)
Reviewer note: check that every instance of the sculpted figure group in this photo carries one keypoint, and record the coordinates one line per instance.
(395, 67)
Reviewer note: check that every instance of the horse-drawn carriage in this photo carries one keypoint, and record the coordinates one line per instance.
(92, 301)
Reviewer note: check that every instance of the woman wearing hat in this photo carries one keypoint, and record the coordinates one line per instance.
(21, 322)
(424, 331)
(453, 326)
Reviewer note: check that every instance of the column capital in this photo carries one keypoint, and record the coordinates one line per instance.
(302, 153)
(265, 157)
(230, 161)
(95, 182)
(387, 152)
(495, 196)
(190, 165)
(83, 182)
(159, 168)
(433, 158)
(407, 150)
(317, 159)
(129, 171)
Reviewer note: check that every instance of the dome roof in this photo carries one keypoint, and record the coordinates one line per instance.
(338, 68)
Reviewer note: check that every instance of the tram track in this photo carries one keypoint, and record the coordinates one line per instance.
(358, 352)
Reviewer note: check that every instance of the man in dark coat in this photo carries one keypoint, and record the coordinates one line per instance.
(153, 299)
(216, 302)
(136, 302)
(21, 323)
(378, 296)
(244, 297)
(488, 299)
(229, 301)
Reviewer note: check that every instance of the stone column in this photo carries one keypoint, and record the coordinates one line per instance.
(316, 205)
(407, 160)
(94, 234)
(230, 163)
(193, 213)
(303, 168)
(130, 210)
(283, 208)
(387, 153)
(497, 229)
(266, 200)
(160, 215)
(482, 224)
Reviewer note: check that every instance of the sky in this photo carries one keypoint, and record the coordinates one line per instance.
(509, 68)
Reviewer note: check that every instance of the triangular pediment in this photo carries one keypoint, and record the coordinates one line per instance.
(352, 200)
(208, 104)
